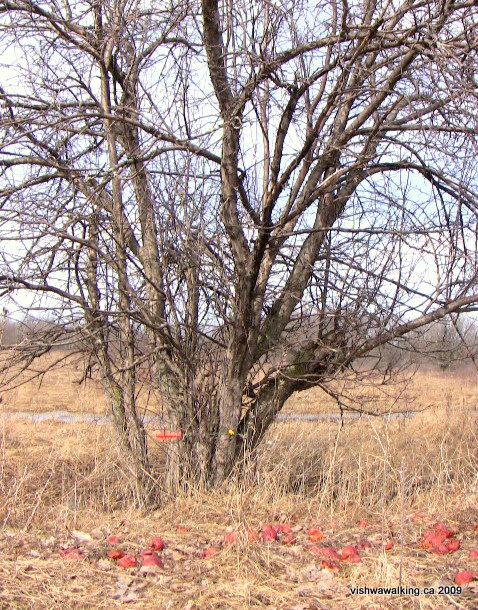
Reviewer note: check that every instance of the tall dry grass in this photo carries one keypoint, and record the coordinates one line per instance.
(57, 477)
(54, 471)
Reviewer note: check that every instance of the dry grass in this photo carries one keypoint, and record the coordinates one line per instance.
(401, 475)
(456, 390)
(59, 389)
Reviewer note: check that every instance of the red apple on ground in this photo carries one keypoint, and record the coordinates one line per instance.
(464, 578)
(116, 554)
(440, 549)
(152, 559)
(157, 544)
(229, 538)
(442, 528)
(453, 545)
(315, 534)
(268, 533)
(73, 554)
(212, 550)
(328, 552)
(349, 553)
(128, 561)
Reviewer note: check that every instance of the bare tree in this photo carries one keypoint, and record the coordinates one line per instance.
(268, 191)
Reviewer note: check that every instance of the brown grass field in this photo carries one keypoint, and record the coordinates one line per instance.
(61, 486)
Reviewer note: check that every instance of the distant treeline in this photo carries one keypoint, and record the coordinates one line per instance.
(445, 344)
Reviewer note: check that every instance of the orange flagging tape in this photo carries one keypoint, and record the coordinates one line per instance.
(165, 435)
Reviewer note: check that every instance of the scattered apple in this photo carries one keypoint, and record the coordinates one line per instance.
(440, 549)
(431, 538)
(315, 534)
(474, 554)
(74, 554)
(113, 539)
(212, 550)
(349, 554)
(453, 545)
(268, 533)
(363, 544)
(127, 561)
(116, 554)
(330, 565)
(152, 559)
(390, 544)
(327, 552)
(229, 538)
(362, 522)
(157, 544)
(438, 544)
(464, 578)
(441, 528)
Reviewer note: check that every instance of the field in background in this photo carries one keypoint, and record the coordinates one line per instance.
(61, 485)
(60, 390)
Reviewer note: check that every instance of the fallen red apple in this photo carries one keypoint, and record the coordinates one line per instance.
(330, 565)
(212, 550)
(327, 552)
(453, 544)
(116, 554)
(73, 554)
(128, 561)
(152, 560)
(349, 554)
(464, 578)
(362, 522)
(441, 528)
(268, 533)
(315, 534)
(431, 538)
(288, 539)
(229, 538)
(349, 550)
(113, 540)
(474, 554)
(157, 544)
(390, 544)
(440, 549)
(363, 544)
(353, 559)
